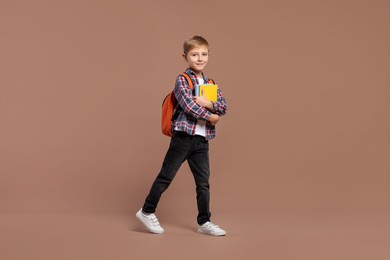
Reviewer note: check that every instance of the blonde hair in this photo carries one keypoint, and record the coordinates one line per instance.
(193, 42)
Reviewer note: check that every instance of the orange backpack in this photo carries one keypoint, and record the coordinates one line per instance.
(168, 106)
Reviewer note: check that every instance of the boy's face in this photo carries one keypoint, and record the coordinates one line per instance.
(197, 58)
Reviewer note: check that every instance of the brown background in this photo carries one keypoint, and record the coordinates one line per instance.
(300, 166)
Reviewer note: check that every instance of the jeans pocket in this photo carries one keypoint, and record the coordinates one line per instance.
(176, 137)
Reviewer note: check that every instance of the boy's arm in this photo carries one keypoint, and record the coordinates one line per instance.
(183, 94)
(220, 106)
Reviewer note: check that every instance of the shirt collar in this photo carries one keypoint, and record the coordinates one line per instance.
(189, 71)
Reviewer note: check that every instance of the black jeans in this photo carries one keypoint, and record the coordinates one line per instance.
(194, 149)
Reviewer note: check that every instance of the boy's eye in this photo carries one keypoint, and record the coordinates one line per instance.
(196, 54)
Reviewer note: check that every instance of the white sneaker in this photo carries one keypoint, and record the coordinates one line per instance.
(150, 222)
(209, 228)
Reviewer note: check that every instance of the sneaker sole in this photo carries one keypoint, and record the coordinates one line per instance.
(211, 234)
(138, 215)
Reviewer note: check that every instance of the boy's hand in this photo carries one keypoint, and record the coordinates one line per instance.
(213, 119)
(203, 101)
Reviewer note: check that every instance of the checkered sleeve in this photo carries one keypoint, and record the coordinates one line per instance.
(220, 106)
(183, 94)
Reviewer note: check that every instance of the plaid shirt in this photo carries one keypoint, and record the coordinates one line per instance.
(188, 111)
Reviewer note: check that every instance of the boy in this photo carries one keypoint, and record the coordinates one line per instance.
(193, 126)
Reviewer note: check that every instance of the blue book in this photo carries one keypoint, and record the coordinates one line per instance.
(197, 91)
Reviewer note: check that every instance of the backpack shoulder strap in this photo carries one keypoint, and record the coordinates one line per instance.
(211, 81)
(189, 81)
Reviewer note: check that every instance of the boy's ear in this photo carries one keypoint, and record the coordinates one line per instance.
(184, 56)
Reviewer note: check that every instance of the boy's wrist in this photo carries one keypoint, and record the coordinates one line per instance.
(214, 118)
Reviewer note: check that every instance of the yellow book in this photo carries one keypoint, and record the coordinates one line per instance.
(210, 90)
